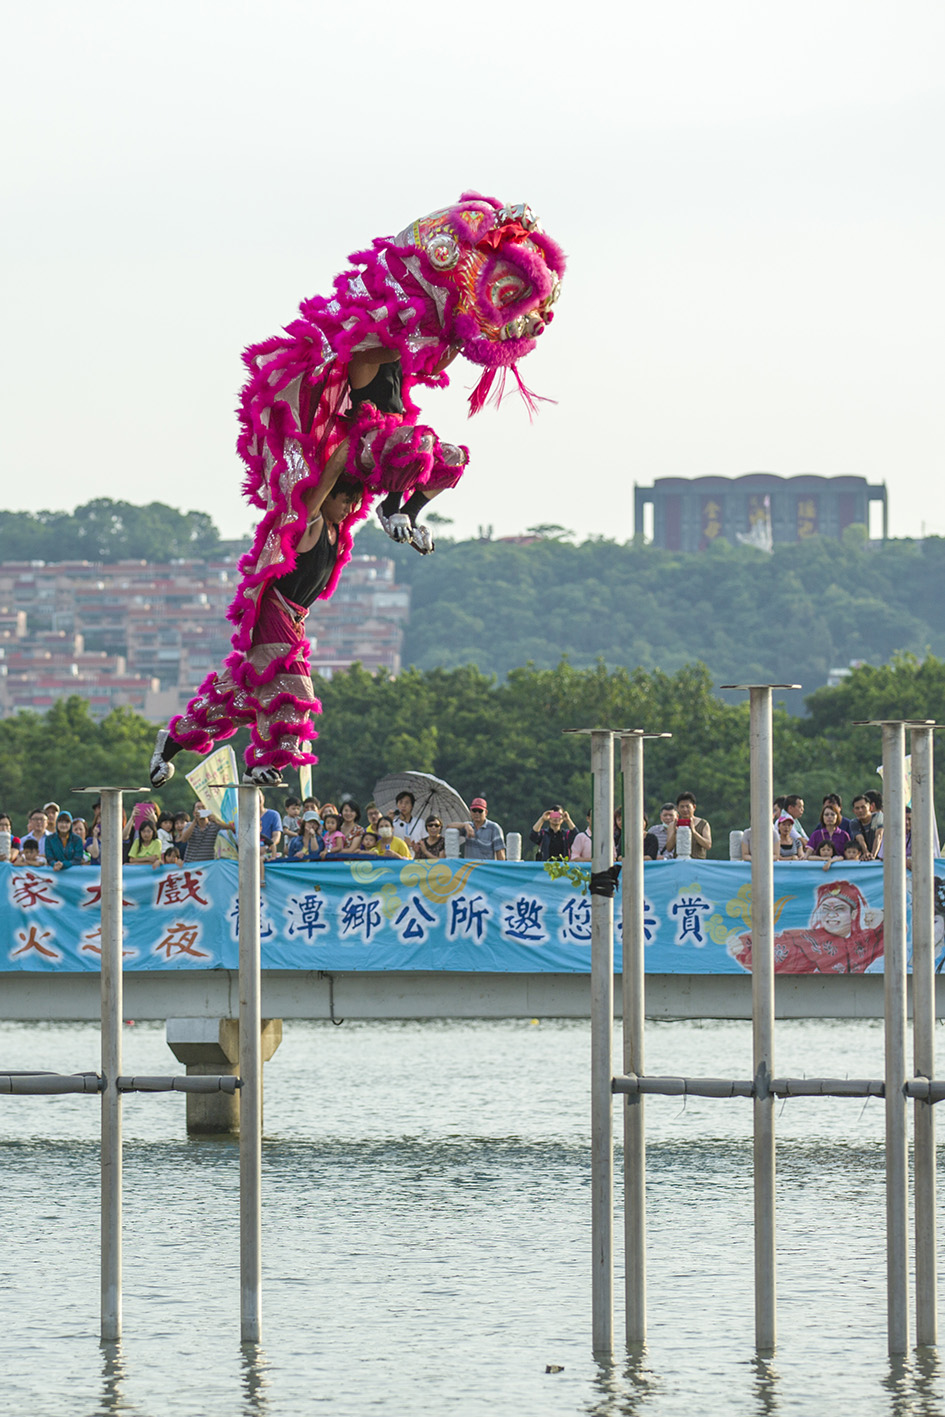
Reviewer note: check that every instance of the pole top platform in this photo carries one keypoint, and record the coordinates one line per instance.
(761, 686)
(618, 732)
(587, 731)
(896, 723)
(83, 791)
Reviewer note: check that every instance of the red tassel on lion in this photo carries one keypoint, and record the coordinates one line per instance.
(328, 424)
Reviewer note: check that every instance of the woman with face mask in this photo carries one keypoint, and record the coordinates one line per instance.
(388, 843)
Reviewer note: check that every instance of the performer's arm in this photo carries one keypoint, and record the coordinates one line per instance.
(446, 359)
(364, 364)
(314, 497)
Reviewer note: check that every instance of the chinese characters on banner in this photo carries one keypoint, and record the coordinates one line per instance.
(505, 917)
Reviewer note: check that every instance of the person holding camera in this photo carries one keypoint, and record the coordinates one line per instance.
(200, 834)
(553, 834)
(686, 817)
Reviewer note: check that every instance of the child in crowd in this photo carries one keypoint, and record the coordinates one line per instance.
(30, 854)
(333, 838)
(826, 852)
(172, 857)
(291, 820)
(306, 844)
(852, 852)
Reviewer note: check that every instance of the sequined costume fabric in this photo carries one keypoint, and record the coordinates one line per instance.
(475, 277)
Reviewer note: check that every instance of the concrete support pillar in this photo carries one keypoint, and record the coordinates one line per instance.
(210, 1047)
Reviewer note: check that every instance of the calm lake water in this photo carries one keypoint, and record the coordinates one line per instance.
(426, 1234)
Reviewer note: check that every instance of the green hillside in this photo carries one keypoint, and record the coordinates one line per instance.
(808, 608)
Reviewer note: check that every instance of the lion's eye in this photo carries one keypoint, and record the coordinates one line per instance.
(507, 289)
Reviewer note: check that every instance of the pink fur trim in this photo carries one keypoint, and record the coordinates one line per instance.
(292, 413)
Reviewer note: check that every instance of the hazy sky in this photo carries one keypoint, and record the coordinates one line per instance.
(750, 196)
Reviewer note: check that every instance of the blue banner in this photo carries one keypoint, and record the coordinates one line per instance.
(455, 915)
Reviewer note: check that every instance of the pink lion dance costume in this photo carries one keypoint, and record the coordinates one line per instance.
(477, 278)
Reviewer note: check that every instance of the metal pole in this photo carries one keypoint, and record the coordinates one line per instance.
(923, 1025)
(111, 941)
(894, 944)
(762, 1007)
(250, 1069)
(602, 1041)
(634, 1131)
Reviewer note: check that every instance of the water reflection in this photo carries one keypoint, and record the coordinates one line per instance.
(626, 1391)
(254, 1379)
(114, 1374)
(766, 1385)
(928, 1382)
(914, 1384)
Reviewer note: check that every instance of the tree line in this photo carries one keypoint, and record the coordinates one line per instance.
(105, 530)
(792, 616)
(809, 607)
(507, 739)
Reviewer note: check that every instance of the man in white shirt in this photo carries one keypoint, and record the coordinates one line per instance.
(668, 818)
(407, 824)
(794, 806)
(37, 831)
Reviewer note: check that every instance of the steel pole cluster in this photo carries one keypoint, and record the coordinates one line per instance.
(110, 1083)
(764, 1088)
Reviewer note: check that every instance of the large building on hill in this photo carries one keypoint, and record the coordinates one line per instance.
(143, 636)
(690, 513)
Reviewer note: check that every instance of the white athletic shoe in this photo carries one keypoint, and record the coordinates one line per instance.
(421, 539)
(396, 526)
(262, 777)
(158, 770)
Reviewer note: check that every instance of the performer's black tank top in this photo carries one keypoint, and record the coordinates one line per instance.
(384, 390)
(311, 573)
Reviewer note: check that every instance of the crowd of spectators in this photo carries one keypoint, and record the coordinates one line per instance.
(309, 830)
(836, 837)
(306, 830)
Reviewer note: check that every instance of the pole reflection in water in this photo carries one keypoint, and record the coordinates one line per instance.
(928, 1384)
(626, 1391)
(767, 1382)
(914, 1384)
(254, 1377)
(114, 1374)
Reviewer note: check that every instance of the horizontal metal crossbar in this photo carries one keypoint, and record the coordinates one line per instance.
(922, 1089)
(48, 1084)
(57, 1084)
(215, 1082)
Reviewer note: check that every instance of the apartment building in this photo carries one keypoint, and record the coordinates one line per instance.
(143, 635)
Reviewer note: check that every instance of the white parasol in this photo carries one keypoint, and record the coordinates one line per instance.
(432, 796)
